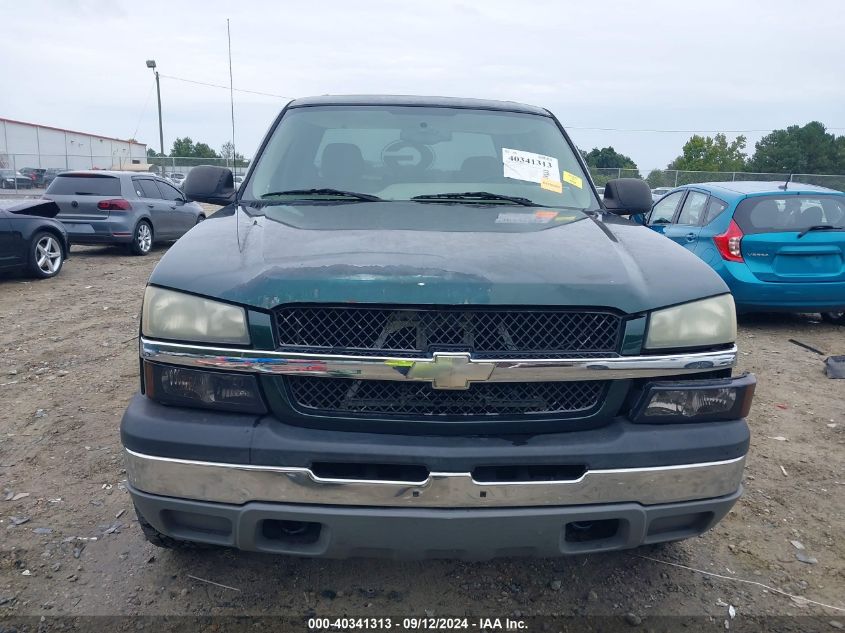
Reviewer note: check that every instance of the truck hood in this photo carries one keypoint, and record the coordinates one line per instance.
(399, 253)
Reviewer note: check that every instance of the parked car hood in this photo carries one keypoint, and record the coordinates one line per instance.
(398, 252)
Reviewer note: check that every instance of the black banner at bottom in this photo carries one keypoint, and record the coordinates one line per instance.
(489, 624)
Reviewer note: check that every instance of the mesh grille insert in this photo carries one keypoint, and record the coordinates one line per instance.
(398, 398)
(508, 333)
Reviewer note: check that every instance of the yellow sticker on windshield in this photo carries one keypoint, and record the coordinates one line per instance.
(572, 179)
(552, 185)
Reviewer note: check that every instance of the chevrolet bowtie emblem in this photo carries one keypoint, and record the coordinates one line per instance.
(450, 371)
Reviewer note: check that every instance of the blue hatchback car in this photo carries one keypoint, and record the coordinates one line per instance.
(778, 247)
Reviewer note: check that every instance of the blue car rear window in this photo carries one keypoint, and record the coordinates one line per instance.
(785, 213)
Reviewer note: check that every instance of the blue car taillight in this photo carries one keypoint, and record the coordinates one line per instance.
(695, 400)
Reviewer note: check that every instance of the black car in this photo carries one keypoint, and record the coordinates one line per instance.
(11, 179)
(50, 175)
(35, 174)
(30, 239)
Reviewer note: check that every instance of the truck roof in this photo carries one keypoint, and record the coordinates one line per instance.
(407, 100)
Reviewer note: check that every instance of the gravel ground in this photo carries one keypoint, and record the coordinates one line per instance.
(70, 544)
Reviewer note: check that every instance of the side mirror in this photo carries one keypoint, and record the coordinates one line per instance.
(214, 185)
(627, 196)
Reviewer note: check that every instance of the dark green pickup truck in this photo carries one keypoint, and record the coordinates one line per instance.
(415, 330)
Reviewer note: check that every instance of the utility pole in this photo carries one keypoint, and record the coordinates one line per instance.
(151, 63)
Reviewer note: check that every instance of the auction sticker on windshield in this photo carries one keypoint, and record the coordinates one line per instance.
(529, 166)
(552, 185)
(572, 179)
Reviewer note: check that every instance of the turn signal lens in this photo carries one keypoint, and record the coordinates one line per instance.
(179, 386)
(688, 404)
(696, 400)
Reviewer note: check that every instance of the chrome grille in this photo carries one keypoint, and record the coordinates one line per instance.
(495, 333)
(397, 398)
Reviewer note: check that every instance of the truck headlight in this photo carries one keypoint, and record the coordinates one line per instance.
(178, 316)
(696, 324)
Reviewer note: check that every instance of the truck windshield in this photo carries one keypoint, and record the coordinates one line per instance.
(431, 155)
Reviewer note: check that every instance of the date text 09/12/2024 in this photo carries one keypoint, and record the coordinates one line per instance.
(412, 623)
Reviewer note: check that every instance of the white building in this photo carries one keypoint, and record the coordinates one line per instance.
(30, 145)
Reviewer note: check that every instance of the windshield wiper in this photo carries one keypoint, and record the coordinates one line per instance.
(323, 192)
(820, 227)
(475, 195)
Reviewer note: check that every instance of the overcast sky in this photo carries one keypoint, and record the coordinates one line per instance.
(674, 64)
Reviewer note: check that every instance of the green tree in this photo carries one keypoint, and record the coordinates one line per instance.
(605, 164)
(227, 151)
(203, 150)
(705, 153)
(607, 157)
(659, 178)
(185, 147)
(151, 153)
(182, 147)
(809, 149)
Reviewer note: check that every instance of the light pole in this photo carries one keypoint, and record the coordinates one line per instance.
(151, 63)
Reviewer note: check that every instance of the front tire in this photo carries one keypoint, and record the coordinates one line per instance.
(200, 218)
(837, 318)
(142, 239)
(45, 255)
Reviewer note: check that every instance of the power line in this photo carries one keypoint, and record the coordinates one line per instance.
(143, 110)
(210, 85)
(568, 127)
(617, 129)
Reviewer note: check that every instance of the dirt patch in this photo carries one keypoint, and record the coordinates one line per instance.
(68, 366)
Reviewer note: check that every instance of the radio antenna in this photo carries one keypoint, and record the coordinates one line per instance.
(231, 95)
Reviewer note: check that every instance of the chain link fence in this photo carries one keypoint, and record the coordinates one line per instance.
(675, 178)
(30, 174)
(167, 165)
(27, 173)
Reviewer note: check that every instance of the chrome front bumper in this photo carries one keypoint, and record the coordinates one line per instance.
(241, 483)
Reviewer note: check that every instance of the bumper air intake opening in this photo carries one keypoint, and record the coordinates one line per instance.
(675, 527)
(409, 473)
(597, 534)
(206, 528)
(508, 474)
(588, 531)
(290, 534)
